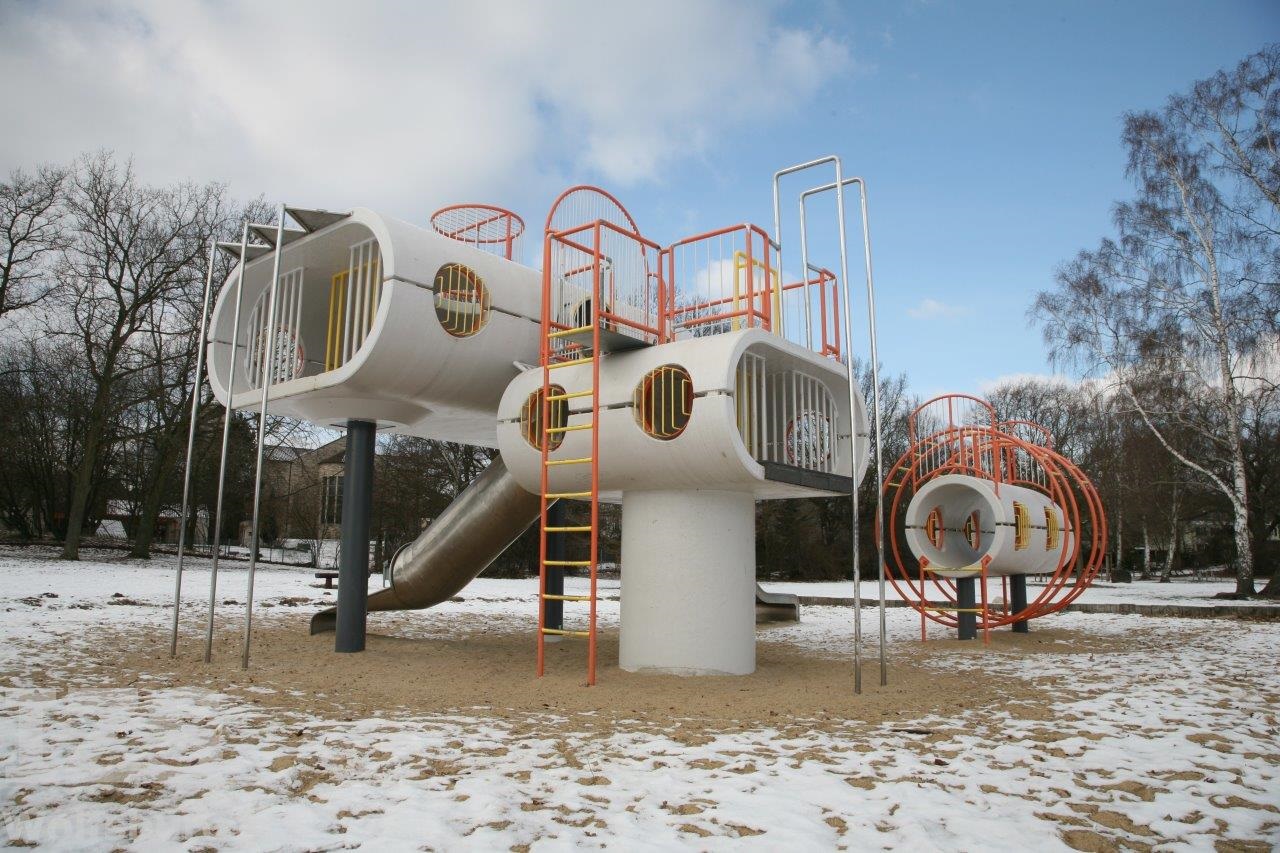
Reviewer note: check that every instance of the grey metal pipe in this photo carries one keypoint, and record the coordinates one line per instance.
(777, 234)
(216, 540)
(853, 385)
(268, 374)
(196, 382)
(875, 399)
(357, 505)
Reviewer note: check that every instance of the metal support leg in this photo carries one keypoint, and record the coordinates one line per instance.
(553, 616)
(267, 377)
(357, 506)
(215, 538)
(196, 383)
(1018, 601)
(967, 602)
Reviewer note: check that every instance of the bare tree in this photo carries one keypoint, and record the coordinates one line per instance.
(135, 250)
(1182, 301)
(30, 232)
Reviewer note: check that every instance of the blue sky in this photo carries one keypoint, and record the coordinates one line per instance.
(989, 137)
(987, 132)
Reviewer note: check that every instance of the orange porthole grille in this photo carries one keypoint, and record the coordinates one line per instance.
(933, 528)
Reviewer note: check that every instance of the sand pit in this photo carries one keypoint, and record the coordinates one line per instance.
(493, 669)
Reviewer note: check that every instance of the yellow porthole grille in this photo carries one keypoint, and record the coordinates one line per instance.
(1021, 527)
(462, 300)
(664, 401)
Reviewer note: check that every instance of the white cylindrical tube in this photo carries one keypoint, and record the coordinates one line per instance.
(688, 583)
(956, 520)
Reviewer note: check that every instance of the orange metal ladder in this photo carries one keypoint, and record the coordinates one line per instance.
(558, 353)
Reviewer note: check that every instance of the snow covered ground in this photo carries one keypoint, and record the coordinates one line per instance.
(1170, 739)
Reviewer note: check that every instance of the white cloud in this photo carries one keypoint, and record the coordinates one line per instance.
(409, 105)
(927, 309)
(990, 386)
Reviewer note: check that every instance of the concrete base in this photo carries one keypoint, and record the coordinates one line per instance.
(688, 583)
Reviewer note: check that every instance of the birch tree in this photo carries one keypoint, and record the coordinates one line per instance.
(1185, 297)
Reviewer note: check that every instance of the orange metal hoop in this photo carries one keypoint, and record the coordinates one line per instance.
(960, 434)
(493, 229)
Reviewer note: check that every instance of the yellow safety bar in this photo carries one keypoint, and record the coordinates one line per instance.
(774, 290)
(339, 289)
(337, 307)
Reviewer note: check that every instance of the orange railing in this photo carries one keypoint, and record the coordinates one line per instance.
(729, 279)
(619, 267)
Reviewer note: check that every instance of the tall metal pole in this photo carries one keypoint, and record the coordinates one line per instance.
(777, 244)
(268, 376)
(875, 408)
(216, 541)
(196, 382)
(875, 398)
(804, 273)
(853, 389)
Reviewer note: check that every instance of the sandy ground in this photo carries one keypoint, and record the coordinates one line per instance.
(494, 669)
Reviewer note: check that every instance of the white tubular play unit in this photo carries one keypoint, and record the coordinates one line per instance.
(685, 382)
(698, 431)
(383, 321)
(956, 521)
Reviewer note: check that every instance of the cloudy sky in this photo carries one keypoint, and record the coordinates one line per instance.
(987, 131)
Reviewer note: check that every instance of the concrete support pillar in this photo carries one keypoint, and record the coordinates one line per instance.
(967, 602)
(1018, 601)
(553, 616)
(353, 568)
(688, 583)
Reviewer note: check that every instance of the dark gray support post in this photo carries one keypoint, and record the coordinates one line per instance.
(967, 602)
(553, 614)
(1018, 602)
(357, 505)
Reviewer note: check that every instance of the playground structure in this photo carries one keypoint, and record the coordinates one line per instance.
(685, 381)
(975, 498)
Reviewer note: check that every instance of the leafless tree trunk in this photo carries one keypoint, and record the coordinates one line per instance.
(135, 250)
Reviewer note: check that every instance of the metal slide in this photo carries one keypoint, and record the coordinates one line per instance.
(776, 606)
(468, 536)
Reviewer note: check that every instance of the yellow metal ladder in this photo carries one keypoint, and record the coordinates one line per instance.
(559, 353)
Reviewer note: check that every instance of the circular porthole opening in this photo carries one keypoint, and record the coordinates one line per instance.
(808, 441)
(664, 401)
(531, 414)
(462, 300)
